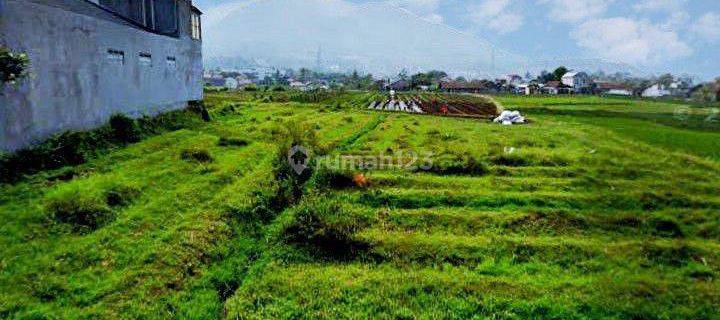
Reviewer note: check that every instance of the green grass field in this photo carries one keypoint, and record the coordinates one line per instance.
(599, 209)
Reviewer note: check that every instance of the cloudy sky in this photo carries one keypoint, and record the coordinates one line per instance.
(679, 36)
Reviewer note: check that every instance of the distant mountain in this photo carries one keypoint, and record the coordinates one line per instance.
(337, 35)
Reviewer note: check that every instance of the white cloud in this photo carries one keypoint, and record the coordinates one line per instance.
(418, 6)
(427, 9)
(496, 15)
(676, 21)
(708, 26)
(659, 5)
(576, 10)
(630, 41)
(434, 18)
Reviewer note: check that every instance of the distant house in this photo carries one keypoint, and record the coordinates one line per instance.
(555, 87)
(400, 85)
(656, 91)
(680, 88)
(528, 88)
(612, 88)
(578, 81)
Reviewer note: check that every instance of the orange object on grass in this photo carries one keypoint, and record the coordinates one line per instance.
(360, 180)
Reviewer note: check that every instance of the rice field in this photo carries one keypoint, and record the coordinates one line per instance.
(598, 209)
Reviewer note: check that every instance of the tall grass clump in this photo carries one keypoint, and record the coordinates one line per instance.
(199, 155)
(88, 206)
(124, 129)
(454, 163)
(83, 210)
(289, 136)
(329, 226)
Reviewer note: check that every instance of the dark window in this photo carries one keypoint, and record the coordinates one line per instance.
(157, 15)
(137, 11)
(145, 58)
(149, 14)
(116, 56)
(165, 16)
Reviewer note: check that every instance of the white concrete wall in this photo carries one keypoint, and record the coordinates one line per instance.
(72, 83)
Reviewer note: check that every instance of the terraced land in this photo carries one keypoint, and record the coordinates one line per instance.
(570, 217)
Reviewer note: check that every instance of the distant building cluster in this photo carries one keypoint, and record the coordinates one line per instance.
(572, 82)
(240, 79)
(562, 81)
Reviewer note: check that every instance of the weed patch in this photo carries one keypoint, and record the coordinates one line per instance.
(458, 164)
(330, 227)
(124, 129)
(81, 209)
(196, 155)
(120, 195)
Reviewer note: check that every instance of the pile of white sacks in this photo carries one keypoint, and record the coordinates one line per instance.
(510, 117)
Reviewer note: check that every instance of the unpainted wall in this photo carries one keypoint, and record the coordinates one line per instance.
(75, 83)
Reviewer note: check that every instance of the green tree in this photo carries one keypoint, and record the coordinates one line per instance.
(546, 77)
(666, 79)
(403, 75)
(559, 73)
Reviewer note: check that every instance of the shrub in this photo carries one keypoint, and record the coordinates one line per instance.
(13, 66)
(290, 135)
(121, 195)
(326, 178)
(124, 128)
(195, 154)
(83, 210)
(329, 226)
(199, 108)
(510, 160)
(251, 88)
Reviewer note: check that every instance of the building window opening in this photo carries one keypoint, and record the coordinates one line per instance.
(116, 56)
(145, 59)
(157, 15)
(196, 30)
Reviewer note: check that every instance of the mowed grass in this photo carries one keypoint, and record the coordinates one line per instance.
(575, 216)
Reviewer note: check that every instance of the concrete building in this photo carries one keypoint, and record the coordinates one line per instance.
(656, 91)
(90, 59)
(613, 89)
(578, 81)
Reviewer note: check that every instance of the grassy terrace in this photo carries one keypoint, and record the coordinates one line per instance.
(601, 208)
